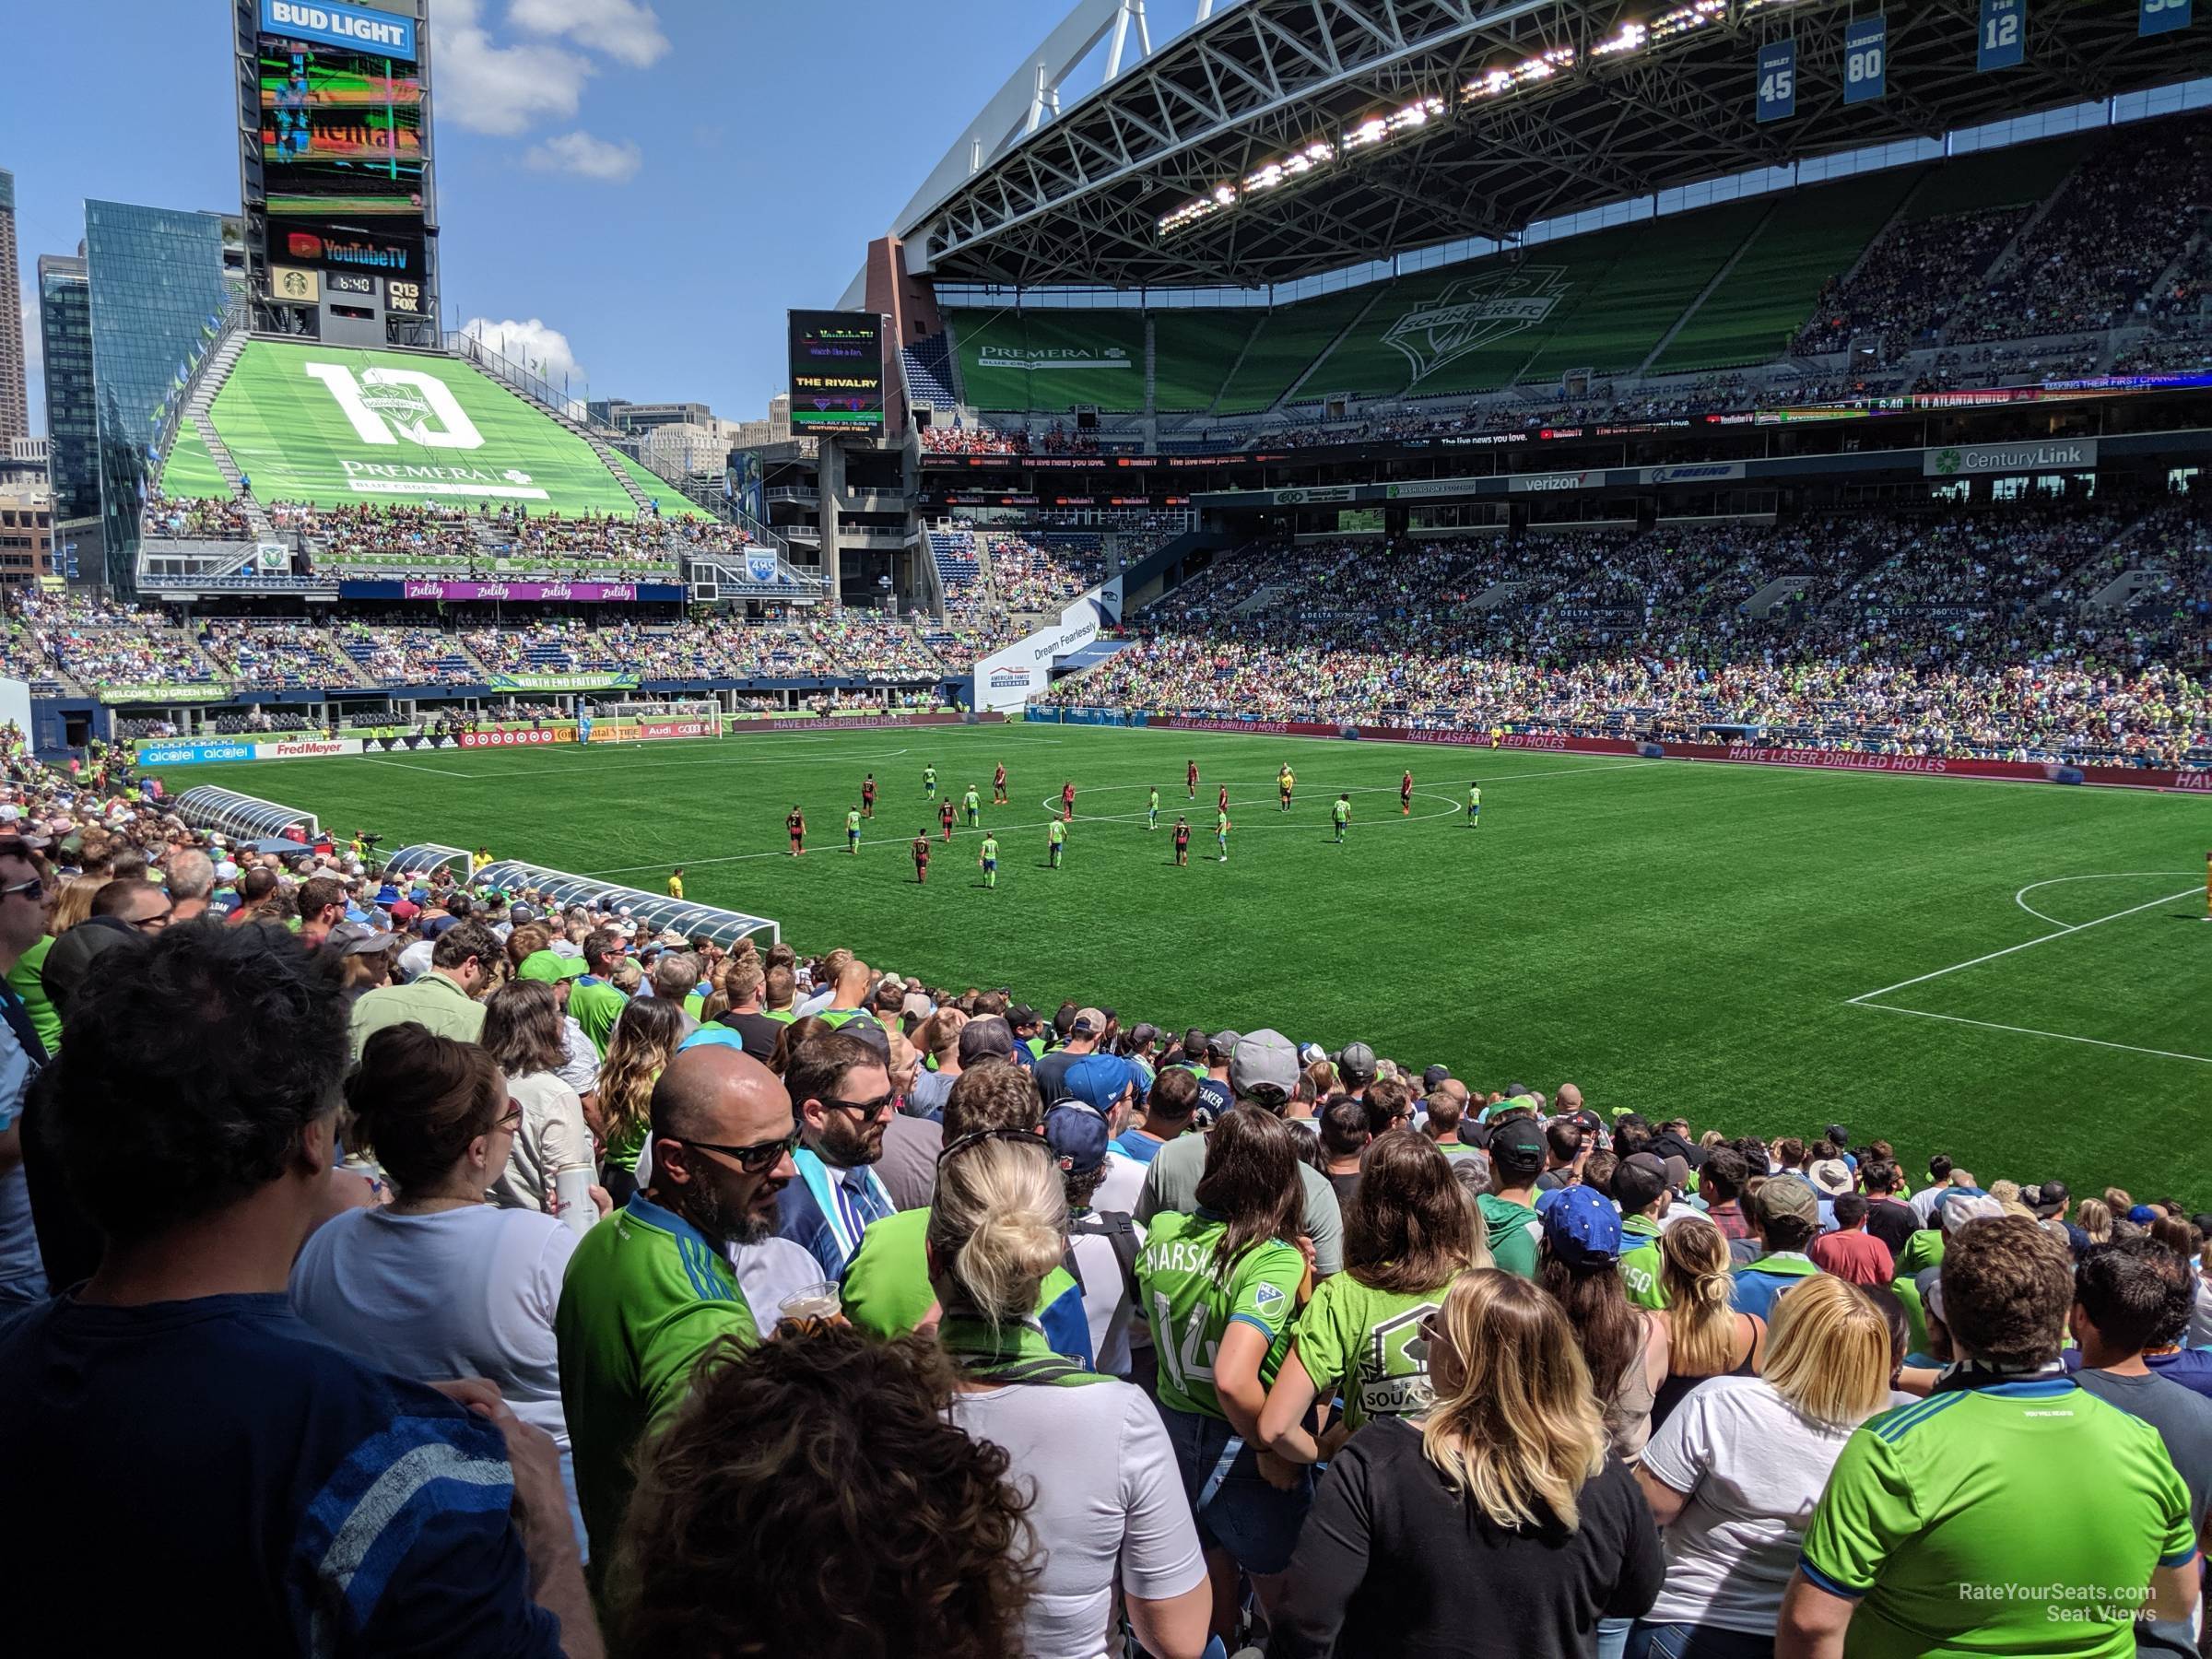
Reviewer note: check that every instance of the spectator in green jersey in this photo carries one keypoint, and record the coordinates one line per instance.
(1922, 1543)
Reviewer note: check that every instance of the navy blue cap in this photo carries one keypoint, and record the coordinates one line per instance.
(1077, 1135)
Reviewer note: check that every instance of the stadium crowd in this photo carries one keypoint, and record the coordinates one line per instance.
(526, 1280)
(1954, 634)
(209, 519)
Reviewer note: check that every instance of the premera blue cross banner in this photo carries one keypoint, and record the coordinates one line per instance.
(1777, 84)
(2163, 17)
(1865, 52)
(357, 28)
(2001, 42)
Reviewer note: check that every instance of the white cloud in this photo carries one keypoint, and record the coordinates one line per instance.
(532, 347)
(625, 31)
(587, 157)
(501, 90)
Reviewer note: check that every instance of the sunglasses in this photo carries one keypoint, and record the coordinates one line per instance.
(33, 888)
(1020, 1137)
(866, 1108)
(756, 1159)
(512, 1119)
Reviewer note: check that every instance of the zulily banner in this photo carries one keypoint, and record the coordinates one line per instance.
(588, 593)
(371, 33)
(564, 682)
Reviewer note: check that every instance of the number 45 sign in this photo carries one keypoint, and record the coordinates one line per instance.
(1777, 80)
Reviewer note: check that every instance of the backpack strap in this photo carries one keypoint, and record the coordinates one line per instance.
(1119, 1230)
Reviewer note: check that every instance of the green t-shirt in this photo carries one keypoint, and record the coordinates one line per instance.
(1513, 1234)
(1474, 796)
(27, 977)
(1055, 832)
(1640, 1262)
(1220, 823)
(973, 802)
(1343, 811)
(645, 1295)
(595, 1004)
(929, 776)
(852, 823)
(1153, 805)
(1924, 1525)
(1189, 1311)
(990, 849)
(1366, 1344)
(885, 1289)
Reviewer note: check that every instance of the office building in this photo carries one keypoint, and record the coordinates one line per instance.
(26, 533)
(159, 284)
(72, 420)
(15, 394)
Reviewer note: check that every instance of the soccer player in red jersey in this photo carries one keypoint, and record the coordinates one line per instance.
(999, 786)
(922, 855)
(945, 818)
(1405, 796)
(1067, 802)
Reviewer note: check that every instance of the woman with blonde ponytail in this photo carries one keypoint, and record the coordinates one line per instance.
(1501, 1524)
(1091, 1452)
(1710, 1337)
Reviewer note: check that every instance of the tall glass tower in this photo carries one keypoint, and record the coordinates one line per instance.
(72, 420)
(15, 410)
(157, 293)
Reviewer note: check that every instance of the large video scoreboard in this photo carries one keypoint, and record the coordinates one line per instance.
(344, 182)
(836, 372)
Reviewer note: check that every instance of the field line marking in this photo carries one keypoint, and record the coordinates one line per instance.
(436, 771)
(1867, 997)
(2020, 898)
(2031, 1031)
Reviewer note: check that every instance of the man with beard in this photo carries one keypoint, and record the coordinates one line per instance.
(842, 1091)
(650, 1290)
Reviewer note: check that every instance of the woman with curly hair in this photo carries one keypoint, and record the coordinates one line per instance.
(813, 1497)
(1497, 1525)
(1108, 1505)
(1407, 1234)
(638, 1050)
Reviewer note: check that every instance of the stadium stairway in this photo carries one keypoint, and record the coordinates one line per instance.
(1778, 592)
(1291, 391)
(1720, 278)
(209, 381)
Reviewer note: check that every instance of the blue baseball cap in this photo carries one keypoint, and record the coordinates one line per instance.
(1076, 1133)
(1583, 1227)
(1097, 1080)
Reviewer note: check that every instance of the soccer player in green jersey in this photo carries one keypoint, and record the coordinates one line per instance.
(1474, 806)
(1219, 1289)
(987, 857)
(1056, 837)
(852, 832)
(1221, 832)
(929, 781)
(1342, 813)
(972, 803)
(1152, 810)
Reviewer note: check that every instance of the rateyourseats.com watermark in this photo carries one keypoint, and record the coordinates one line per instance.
(2067, 1604)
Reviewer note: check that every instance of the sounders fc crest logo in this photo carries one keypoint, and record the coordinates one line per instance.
(1472, 313)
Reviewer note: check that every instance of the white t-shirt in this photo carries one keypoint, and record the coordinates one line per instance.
(1107, 1487)
(553, 1134)
(1754, 1469)
(1125, 1179)
(769, 1272)
(453, 1293)
(1106, 1303)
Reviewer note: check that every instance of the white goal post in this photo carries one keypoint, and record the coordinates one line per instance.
(624, 719)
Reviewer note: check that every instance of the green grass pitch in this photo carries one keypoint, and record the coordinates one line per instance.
(2018, 974)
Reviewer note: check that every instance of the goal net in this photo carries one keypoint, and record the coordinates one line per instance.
(641, 721)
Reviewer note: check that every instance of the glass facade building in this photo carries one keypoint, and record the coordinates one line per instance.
(159, 288)
(72, 422)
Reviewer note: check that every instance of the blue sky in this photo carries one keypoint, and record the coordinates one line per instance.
(656, 182)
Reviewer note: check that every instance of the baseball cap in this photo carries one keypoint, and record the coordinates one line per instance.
(1785, 1198)
(1519, 1147)
(541, 965)
(1639, 1180)
(2142, 1215)
(1831, 1176)
(521, 913)
(1221, 1045)
(1309, 1053)
(351, 938)
(1582, 1228)
(1967, 1206)
(1077, 1135)
(1089, 1022)
(226, 871)
(1021, 1014)
(1357, 1062)
(915, 1006)
(1097, 1080)
(988, 1038)
(2049, 1198)
(1262, 1064)
(1435, 1075)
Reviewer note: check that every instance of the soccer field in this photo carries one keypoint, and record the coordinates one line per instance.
(2014, 974)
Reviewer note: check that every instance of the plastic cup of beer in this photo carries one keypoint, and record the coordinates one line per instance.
(818, 1300)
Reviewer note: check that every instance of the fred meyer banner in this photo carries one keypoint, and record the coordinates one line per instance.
(164, 694)
(155, 756)
(371, 33)
(564, 682)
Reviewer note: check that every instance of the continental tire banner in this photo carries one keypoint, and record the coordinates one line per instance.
(1923, 766)
(532, 738)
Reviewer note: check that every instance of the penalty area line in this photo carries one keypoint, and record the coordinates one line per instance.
(1990, 1025)
(1866, 999)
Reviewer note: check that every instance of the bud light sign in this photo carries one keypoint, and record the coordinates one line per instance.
(372, 33)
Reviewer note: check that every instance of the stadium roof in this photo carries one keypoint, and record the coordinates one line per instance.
(1281, 137)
